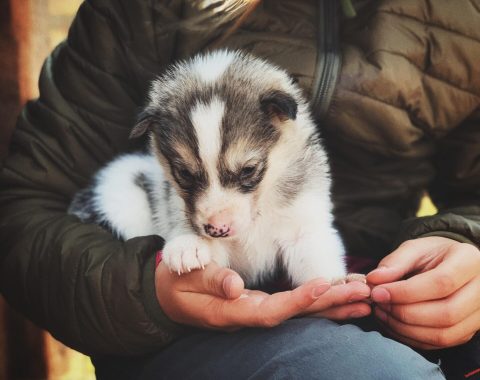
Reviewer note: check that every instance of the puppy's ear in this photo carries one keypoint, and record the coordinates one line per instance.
(278, 104)
(143, 125)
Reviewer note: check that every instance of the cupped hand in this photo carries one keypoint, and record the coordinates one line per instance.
(216, 298)
(427, 292)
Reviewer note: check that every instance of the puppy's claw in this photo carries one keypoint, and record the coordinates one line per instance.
(185, 253)
(351, 277)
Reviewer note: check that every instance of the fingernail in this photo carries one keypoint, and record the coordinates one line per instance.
(358, 314)
(320, 289)
(227, 284)
(358, 297)
(380, 314)
(380, 295)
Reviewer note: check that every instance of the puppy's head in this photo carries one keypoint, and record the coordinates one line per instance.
(226, 127)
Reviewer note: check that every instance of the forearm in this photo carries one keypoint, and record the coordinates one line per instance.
(89, 290)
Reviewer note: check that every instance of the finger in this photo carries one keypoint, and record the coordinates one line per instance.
(271, 310)
(441, 281)
(344, 312)
(439, 337)
(254, 308)
(213, 280)
(414, 343)
(402, 261)
(408, 341)
(438, 313)
(339, 295)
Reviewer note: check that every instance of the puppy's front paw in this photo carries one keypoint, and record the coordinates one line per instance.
(349, 278)
(185, 253)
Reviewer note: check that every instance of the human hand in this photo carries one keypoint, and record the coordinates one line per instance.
(341, 302)
(427, 292)
(215, 298)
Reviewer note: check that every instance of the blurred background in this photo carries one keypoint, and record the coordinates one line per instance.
(29, 30)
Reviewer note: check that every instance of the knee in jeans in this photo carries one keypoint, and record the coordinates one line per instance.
(324, 347)
(378, 357)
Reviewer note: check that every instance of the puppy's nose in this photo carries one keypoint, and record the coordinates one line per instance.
(218, 230)
(219, 224)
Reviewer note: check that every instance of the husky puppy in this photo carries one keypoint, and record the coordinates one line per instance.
(235, 173)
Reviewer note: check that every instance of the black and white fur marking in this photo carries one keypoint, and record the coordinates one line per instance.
(235, 174)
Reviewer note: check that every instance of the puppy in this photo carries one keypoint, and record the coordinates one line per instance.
(236, 173)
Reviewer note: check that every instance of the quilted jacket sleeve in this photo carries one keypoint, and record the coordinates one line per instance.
(90, 291)
(456, 188)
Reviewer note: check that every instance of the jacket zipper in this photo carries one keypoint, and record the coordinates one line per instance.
(328, 57)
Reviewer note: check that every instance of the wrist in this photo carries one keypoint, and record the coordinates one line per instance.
(150, 283)
(158, 258)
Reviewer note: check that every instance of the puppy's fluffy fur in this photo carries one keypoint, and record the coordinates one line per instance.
(236, 174)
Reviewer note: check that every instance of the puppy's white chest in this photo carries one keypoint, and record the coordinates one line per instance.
(257, 255)
(256, 258)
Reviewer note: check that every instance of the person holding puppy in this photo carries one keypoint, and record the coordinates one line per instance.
(396, 92)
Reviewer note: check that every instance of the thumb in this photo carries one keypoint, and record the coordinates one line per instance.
(396, 265)
(220, 281)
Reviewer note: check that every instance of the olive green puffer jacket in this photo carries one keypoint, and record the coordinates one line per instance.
(397, 96)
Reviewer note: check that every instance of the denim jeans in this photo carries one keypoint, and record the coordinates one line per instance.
(304, 348)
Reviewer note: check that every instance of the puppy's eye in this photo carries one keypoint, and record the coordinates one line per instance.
(185, 174)
(247, 172)
(184, 177)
